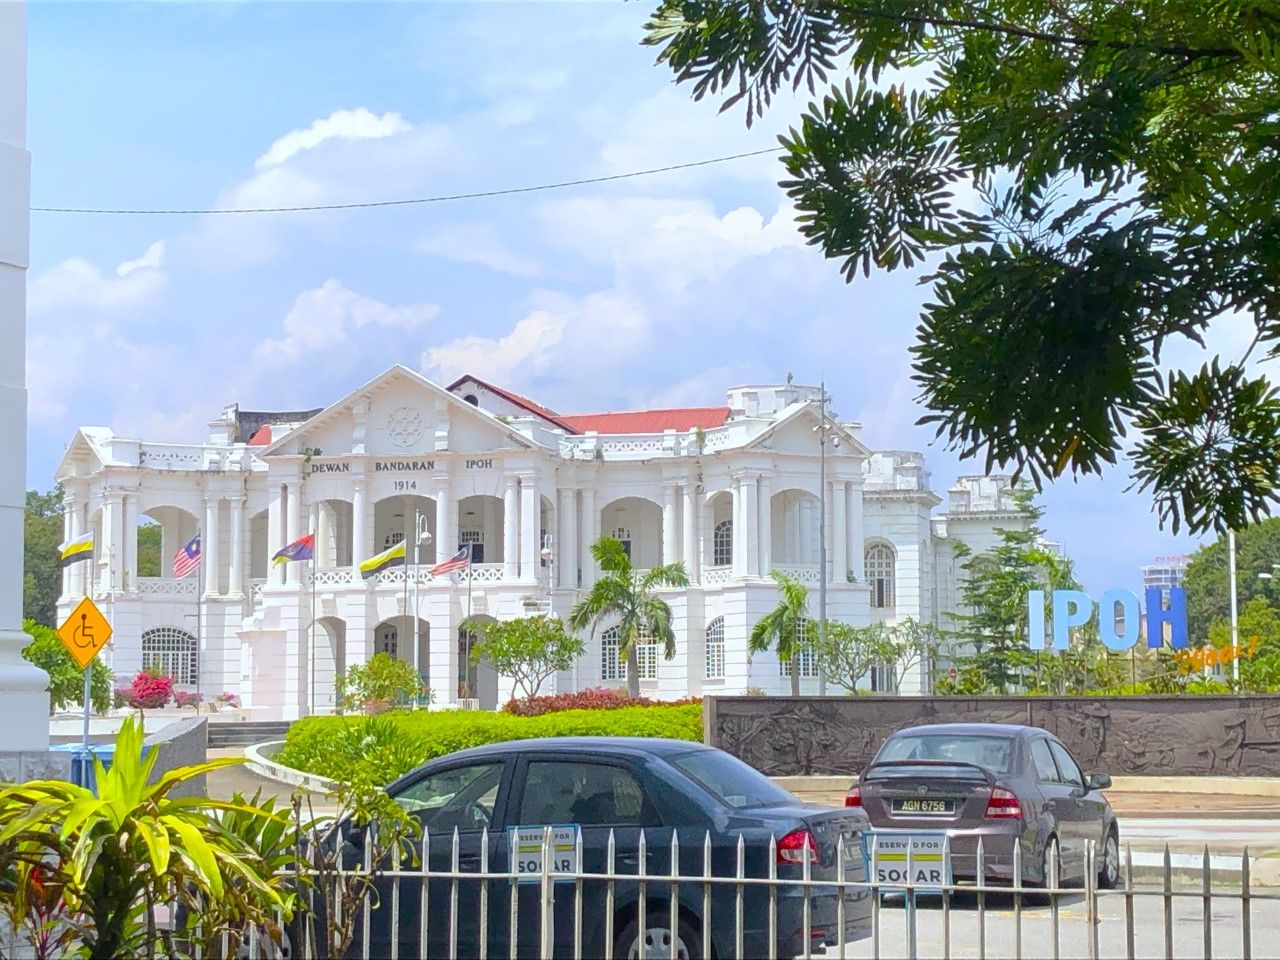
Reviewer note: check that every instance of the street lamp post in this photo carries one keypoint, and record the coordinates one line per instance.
(1235, 623)
(822, 428)
(421, 536)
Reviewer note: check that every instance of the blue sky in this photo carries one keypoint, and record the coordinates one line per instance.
(651, 291)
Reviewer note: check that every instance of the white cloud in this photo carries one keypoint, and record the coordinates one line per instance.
(479, 243)
(77, 283)
(707, 388)
(528, 346)
(324, 318)
(358, 124)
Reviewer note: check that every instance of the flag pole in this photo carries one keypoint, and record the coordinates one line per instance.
(311, 656)
(417, 672)
(468, 634)
(199, 626)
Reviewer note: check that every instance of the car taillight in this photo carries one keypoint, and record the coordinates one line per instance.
(854, 797)
(1003, 805)
(793, 847)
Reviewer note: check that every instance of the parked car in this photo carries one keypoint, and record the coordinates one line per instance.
(1004, 784)
(624, 786)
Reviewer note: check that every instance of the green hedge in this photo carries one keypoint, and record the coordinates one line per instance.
(385, 747)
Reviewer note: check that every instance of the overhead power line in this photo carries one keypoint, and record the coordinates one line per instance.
(413, 200)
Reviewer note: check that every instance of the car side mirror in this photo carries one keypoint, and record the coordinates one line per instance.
(1098, 781)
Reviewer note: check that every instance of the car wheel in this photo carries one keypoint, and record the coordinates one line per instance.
(658, 935)
(1109, 868)
(1051, 865)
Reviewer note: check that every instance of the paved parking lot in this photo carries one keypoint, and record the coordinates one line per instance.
(1037, 932)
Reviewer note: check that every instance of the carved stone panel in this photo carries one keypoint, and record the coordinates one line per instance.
(1123, 736)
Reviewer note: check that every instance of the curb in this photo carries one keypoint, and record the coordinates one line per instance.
(258, 759)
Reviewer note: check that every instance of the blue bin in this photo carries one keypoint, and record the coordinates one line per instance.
(82, 769)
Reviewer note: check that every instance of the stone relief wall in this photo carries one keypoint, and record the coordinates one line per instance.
(1122, 736)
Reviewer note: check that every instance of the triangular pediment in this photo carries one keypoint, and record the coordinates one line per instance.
(794, 433)
(87, 452)
(398, 413)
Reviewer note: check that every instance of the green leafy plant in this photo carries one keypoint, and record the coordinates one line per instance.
(119, 854)
(66, 680)
(850, 652)
(526, 649)
(384, 679)
(1125, 186)
(784, 628)
(627, 596)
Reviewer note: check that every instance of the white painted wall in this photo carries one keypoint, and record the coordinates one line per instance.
(24, 698)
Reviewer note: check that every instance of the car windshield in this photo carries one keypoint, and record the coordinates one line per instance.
(991, 753)
(729, 780)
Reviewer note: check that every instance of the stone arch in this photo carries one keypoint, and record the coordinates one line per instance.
(156, 548)
(330, 661)
(481, 525)
(173, 652)
(641, 519)
(795, 521)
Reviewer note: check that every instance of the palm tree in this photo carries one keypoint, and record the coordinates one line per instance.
(783, 627)
(626, 595)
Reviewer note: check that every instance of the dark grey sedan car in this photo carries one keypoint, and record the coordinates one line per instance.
(1005, 784)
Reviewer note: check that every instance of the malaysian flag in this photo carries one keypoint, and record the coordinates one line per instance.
(187, 559)
(459, 561)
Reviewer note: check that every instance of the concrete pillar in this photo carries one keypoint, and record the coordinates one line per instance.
(68, 518)
(739, 528)
(510, 532)
(360, 525)
(109, 555)
(211, 546)
(446, 513)
(765, 525)
(529, 528)
(855, 526)
(293, 528)
(840, 531)
(670, 540)
(235, 576)
(24, 700)
(129, 569)
(750, 512)
(277, 509)
(690, 512)
(566, 554)
(590, 533)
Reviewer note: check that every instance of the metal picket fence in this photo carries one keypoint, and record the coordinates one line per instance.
(508, 911)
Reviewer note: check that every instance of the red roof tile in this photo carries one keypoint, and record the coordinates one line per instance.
(680, 419)
(261, 437)
(537, 409)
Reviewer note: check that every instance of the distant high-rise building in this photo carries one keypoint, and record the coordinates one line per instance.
(1165, 572)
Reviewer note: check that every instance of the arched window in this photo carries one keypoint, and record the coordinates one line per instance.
(391, 539)
(472, 399)
(388, 640)
(715, 649)
(172, 652)
(722, 544)
(880, 563)
(808, 662)
(884, 678)
(623, 536)
(613, 668)
(475, 540)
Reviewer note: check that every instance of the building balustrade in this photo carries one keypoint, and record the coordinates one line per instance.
(167, 587)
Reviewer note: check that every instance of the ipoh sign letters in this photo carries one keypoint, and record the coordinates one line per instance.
(1074, 608)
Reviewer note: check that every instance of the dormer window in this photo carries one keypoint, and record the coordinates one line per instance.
(472, 399)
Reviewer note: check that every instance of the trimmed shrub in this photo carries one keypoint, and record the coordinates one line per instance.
(594, 698)
(341, 747)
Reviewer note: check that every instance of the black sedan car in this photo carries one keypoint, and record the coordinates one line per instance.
(1004, 784)
(597, 787)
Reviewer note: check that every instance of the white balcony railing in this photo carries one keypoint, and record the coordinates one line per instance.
(167, 587)
(804, 572)
(716, 576)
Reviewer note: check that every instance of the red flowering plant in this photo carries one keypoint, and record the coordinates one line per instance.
(593, 698)
(188, 698)
(149, 691)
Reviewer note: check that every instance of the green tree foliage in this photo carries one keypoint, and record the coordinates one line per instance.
(1126, 179)
(527, 649)
(628, 597)
(42, 535)
(149, 550)
(785, 627)
(993, 630)
(66, 680)
(1208, 585)
(1258, 629)
(848, 652)
(383, 680)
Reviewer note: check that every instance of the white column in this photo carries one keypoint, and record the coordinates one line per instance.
(109, 554)
(24, 702)
(129, 570)
(446, 512)
(211, 546)
(750, 508)
(235, 578)
(739, 528)
(529, 527)
(839, 531)
(567, 548)
(68, 521)
(590, 533)
(79, 572)
(854, 525)
(765, 526)
(293, 530)
(689, 507)
(670, 541)
(510, 530)
(360, 525)
(277, 510)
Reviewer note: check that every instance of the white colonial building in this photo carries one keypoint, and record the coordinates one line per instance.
(733, 492)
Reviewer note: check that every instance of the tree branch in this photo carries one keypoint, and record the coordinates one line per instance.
(1066, 40)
